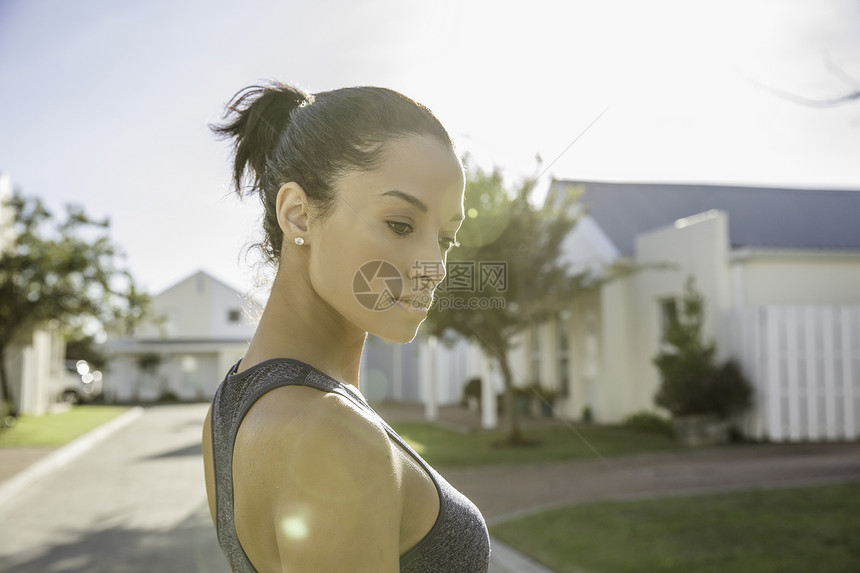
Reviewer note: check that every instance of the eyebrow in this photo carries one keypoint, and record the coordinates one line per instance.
(412, 199)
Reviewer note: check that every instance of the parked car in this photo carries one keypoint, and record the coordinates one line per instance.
(81, 384)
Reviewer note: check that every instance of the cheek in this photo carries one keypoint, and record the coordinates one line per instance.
(335, 262)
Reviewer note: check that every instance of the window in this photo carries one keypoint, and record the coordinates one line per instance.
(668, 316)
(234, 315)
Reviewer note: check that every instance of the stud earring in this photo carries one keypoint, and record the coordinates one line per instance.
(300, 241)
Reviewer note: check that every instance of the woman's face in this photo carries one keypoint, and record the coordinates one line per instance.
(378, 257)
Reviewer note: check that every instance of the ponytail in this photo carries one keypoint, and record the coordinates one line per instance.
(260, 115)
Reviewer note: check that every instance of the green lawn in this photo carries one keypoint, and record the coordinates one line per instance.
(57, 429)
(804, 529)
(446, 448)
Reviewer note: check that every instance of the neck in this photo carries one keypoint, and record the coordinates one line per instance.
(298, 324)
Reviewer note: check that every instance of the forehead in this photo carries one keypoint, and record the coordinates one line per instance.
(414, 165)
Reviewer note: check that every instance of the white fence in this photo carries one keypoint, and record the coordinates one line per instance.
(804, 362)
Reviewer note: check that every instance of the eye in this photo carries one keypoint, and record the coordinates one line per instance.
(399, 228)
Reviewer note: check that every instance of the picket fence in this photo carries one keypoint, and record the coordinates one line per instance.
(804, 364)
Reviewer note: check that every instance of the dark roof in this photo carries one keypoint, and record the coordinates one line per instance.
(758, 216)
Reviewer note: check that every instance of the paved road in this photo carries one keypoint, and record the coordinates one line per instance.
(134, 502)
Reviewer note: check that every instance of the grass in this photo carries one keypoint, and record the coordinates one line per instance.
(804, 529)
(57, 429)
(446, 448)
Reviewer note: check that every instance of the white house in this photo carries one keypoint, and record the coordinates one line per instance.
(204, 328)
(780, 272)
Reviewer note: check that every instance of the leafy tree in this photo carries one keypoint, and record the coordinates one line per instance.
(504, 232)
(692, 382)
(61, 269)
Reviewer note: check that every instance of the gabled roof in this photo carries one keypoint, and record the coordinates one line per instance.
(193, 276)
(758, 216)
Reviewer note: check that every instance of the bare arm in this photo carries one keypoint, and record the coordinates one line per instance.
(208, 470)
(324, 483)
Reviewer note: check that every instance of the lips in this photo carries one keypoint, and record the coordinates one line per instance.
(417, 302)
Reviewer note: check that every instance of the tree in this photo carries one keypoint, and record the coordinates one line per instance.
(851, 95)
(692, 382)
(506, 239)
(65, 270)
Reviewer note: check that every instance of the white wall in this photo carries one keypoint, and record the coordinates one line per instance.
(35, 369)
(697, 246)
(798, 277)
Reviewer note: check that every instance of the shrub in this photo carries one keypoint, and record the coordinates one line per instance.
(587, 415)
(168, 396)
(692, 382)
(648, 422)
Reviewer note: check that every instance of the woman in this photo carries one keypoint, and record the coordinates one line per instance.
(301, 474)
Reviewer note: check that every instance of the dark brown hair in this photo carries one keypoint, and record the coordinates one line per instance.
(282, 134)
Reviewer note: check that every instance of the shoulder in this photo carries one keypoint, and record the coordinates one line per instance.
(317, 465)
(306, 441)
(308, 426)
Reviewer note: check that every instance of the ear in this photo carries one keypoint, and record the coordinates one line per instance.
(293, 210)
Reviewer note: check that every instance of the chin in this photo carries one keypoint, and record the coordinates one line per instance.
(402, 336)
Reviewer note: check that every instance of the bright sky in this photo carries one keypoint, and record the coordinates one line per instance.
(106, 103)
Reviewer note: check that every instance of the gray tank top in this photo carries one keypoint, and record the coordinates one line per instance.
(458, 542)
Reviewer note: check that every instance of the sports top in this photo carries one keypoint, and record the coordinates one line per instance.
(458, 542)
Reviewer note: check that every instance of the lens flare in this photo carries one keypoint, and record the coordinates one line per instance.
(82, 367)
(295, 527)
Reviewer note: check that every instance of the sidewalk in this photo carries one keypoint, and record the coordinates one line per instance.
(15, 459)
